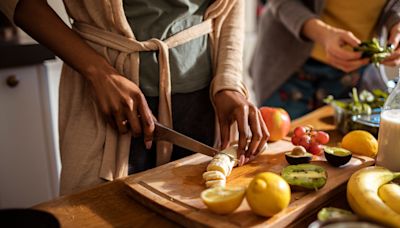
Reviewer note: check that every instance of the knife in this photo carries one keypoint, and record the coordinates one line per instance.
(163, 133)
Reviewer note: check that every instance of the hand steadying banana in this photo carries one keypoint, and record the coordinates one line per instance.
(362, 195)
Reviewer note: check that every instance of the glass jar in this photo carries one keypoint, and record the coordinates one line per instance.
(389, 132)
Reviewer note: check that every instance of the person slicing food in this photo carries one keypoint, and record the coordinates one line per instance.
(179, 61)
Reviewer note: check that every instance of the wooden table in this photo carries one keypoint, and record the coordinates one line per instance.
(109, 205)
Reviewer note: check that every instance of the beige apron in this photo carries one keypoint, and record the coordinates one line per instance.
(98, 152)
(127, 46)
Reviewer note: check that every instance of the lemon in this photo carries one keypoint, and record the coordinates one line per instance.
(360, 142)
(223, 200)
(268, 194)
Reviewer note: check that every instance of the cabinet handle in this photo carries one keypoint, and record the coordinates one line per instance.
(12, 81)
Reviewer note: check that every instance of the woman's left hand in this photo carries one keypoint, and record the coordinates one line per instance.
(394, 39)
(231, 106)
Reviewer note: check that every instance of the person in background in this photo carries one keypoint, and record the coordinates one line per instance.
(304, 50)
(128, 61)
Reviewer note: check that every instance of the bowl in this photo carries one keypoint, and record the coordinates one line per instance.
(345, 121)
(345, 223)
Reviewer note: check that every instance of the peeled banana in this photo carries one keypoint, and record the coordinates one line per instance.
(220, 167)
(213, 175)
(215, 183)
(390, 194)
(363, 198)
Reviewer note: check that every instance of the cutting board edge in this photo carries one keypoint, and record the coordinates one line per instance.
(135, 190)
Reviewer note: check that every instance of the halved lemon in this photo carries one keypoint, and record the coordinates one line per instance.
(223, 200)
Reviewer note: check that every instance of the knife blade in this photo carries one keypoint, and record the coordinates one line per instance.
(163, 133)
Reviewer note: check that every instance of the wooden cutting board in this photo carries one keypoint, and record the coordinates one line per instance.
(174, 189)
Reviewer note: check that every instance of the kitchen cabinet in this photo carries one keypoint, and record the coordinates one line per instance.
(29, 173)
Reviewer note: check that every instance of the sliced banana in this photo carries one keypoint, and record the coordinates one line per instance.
(221, 167)
(213, 175)
(230, 167)
(215, 183)
(217, 165)
(231, 151)
(222, 157)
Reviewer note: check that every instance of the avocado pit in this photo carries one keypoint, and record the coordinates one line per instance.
(298, 155)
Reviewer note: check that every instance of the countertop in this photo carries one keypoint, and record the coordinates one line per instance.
(22, 52)
(110, 205)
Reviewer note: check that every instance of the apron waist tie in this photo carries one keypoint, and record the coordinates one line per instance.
(128, 48)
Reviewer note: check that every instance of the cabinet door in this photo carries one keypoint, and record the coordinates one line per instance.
(26, 171)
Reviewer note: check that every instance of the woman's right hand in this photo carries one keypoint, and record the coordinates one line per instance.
(122, 103)
(118, 98)
(333, 40)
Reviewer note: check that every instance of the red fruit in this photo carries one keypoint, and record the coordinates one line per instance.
(305, 141)
(295, 140)
(315, 148)
(322, 137)
(277, 121)
(300, 131)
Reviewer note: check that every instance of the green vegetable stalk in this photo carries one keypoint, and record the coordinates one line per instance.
(361, 104)
(371, 49)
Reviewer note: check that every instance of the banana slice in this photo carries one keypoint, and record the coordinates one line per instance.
(213, 175)
(216, 165)
(215, 183)
(230, 167)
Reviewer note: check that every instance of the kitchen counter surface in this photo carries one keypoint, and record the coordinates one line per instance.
(110, 204)
(22, 53)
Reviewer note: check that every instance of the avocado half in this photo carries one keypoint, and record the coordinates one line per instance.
(329, 213)
(295, 159)
(305, 177)
(337, 156)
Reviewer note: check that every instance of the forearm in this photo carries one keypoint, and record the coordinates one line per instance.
(43, 24)
(229, 66)
(292, 14)
(315, 30)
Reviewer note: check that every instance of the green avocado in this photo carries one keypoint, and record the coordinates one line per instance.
(328, 213)
(295, 159)
(337, 156)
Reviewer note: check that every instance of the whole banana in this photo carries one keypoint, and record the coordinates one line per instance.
(363, 198)
(390, 194)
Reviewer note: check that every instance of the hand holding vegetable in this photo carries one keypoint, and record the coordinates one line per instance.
(333, 41)
(394, 58)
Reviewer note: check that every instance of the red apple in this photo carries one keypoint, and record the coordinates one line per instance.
(277, 121)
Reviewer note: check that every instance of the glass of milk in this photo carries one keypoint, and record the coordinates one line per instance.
(389, 132)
